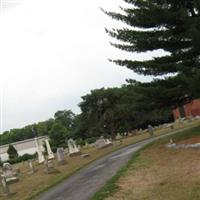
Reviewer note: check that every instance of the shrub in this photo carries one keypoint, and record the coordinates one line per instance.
(12, 152)
(19, 159)
(91, 140)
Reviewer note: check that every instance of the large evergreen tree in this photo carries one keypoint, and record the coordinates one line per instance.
(169, 25)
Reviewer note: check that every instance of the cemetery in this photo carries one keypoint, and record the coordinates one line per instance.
(50, 169)
(73, 126)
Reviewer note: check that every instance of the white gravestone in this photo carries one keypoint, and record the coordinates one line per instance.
(9, 173)
(49, 151)
(41, 158)
(73, 149)
(108, 142)
(102, 143)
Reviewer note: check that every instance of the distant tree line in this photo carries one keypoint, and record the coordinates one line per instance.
(103, 112)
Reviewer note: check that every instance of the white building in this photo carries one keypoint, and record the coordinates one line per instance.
(26, 146)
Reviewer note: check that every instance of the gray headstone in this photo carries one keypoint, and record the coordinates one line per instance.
(5, 186)
(102, 143)
(31, 168)
(150, 130)
(60, 156)
(49, 166)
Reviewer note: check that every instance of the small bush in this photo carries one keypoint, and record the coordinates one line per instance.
(80, 142)
(91, 140)
(12, 152)
(19, 159)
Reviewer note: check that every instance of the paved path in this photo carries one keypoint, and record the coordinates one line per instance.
(85, 183)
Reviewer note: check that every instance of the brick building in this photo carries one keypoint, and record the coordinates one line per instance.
(188, 109)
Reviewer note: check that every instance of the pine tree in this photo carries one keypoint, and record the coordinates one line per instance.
(12, 152)
(170, 25)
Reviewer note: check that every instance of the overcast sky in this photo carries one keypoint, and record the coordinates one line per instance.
(52, 52)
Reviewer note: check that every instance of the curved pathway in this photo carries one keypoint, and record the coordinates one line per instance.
(86, 182)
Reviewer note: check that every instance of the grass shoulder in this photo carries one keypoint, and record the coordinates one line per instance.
(153, 171)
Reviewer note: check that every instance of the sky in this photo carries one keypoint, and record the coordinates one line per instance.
(54, 52)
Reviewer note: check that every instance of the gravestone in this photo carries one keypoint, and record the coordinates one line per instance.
(49, 166)
(9, 173)
(108, 142)
(102, 143)
(183, 146)
(31, 168)
(49, 151)
(41, 158)
(60, 156)
(197, 117)
(119, 139)
(7, 166)
(150, 130)
(73, 149)
(5, 186)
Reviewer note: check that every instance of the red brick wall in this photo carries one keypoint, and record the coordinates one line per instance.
(191, 109)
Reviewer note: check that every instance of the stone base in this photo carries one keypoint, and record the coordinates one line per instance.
(12, 180)
(105, 146)
(75, 154)
(85, 155)
(63, 162)
(50, 171)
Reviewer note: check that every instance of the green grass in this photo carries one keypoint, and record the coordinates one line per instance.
(111, 186)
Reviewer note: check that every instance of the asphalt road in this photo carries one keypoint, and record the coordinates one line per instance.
(86, 182)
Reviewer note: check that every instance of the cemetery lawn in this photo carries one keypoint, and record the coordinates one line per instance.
(159, 173)
(31, 185)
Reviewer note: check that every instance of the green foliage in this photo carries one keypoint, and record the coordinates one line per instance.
(171, 26)
(91, 140)
(65, 117)
(58, 135)
(19, 159)
(12, 152)
(108, 111)
(80, 142)
(22, 158)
